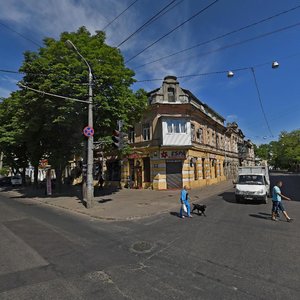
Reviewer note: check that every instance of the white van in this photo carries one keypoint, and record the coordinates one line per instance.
(253, 183)
(16, 180)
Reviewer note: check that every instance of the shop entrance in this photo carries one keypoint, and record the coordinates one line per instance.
(138, 173)
(174, 174)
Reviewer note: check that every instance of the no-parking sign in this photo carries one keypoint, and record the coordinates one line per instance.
(88, 131)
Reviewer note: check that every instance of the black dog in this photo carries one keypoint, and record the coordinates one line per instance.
(200, 208)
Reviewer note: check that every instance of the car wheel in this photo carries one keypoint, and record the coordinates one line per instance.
(266, 199)
(237, 199)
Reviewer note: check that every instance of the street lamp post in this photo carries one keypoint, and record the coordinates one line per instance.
(89, 195)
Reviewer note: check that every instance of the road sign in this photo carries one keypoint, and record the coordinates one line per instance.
(88, 131)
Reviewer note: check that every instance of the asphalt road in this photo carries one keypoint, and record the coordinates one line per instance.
(235, 252)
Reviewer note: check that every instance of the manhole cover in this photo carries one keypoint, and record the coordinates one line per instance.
(142, 247)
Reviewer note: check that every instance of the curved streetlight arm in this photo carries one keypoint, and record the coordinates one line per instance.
(70, 45)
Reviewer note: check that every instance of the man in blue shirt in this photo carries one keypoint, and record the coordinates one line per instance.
(184, 199)
(277, 204)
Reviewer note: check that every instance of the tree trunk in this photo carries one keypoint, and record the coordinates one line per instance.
(58, 173)
(23, 175)
(36, 174)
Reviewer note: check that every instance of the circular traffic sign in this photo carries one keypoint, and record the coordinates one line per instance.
(88, 131)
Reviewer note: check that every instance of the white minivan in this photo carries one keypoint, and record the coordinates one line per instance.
(16, 180)
(253, 183)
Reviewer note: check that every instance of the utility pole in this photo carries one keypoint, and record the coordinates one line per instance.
(89, 191)
(90, 152)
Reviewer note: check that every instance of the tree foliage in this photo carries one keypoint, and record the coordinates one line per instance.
(284, 153)
(12, 142)
(44, 126)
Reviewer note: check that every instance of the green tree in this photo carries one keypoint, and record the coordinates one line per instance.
(290, 150)
(51, 127)
(284, 153)
(12, 142)
(262, 151)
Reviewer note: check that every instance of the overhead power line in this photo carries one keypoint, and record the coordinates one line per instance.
(10, 71)
(171, 31)
(53, 95)
(160, 79)
(218, 37)
(237, 43)
(222, 71)
(46, 75)
(260, 102)
(119, 15)
(21, 35)
(151, 20)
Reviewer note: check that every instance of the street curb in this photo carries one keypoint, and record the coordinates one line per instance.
(111, 219)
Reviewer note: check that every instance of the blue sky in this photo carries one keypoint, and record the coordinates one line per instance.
(236, 98)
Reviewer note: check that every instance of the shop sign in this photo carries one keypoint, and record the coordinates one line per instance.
(43, 163)
(173, 154)
(134, 155)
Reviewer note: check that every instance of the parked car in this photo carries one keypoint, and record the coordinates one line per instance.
(5, 181)
(16, 180)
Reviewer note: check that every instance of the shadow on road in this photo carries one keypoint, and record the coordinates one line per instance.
(260, 216)
(175, 214)
(33, 192)
(228, 197)
(65, 191)
(105, 200)
(265, 214)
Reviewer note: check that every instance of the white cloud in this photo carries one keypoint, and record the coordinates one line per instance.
(50, 18)
(4, 92)
(231, 118)
(8, 79)
(13, 12)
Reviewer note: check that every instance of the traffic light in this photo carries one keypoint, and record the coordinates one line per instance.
(117, 139)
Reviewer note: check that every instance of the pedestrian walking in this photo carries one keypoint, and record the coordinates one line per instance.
(277, 203)
(101, 181)
(184, 200)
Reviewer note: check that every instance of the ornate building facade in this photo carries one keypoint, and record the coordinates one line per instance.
(182, 141)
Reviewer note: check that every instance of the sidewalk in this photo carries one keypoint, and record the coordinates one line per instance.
(124, 204)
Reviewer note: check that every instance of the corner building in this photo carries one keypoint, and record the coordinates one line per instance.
(182, 141)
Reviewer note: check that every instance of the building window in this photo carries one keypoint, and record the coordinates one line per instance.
(200, 135)
(176, 126)
(217, 141)
(171, 94)
(131, 135)
(195, 170)
(203, 168)
(193, 132)
(146, 132)
(208, 137)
